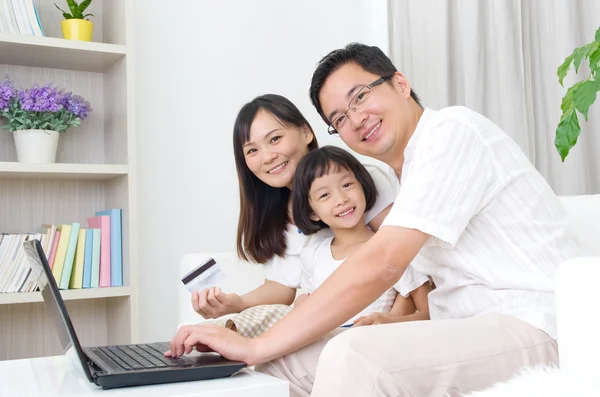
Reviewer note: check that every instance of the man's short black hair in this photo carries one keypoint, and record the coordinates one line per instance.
(314, 165)
(370, 58)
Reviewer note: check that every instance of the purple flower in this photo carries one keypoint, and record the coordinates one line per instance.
(41, 99)
(76, 105)
(46, 107)
(7, 93)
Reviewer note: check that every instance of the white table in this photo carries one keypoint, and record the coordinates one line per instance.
(57, 376)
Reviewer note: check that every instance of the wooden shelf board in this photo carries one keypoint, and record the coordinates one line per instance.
(50, 52)
(13, 170)
(73, 294)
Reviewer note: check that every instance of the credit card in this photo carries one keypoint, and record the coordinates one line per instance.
(205, 275)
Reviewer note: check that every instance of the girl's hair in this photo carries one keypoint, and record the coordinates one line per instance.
(316, 164)
(263, 208)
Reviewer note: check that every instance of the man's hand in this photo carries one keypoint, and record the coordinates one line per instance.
(209, 338)
(375, 318)
(213, 303)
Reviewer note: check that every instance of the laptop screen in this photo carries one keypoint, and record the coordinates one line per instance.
(54, 302)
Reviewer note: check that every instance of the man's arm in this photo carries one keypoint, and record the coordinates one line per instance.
(361, 279)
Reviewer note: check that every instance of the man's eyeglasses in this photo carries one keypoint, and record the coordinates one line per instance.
(356, 104)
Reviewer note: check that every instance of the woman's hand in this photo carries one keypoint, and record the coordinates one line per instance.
(375, 318)
(209, 338)
(213, 303)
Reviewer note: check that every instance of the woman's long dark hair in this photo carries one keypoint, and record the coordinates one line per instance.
(263, 208)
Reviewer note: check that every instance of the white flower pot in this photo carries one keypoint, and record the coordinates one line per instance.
(36, 146)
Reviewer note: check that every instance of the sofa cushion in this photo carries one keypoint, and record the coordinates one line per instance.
(584, 221)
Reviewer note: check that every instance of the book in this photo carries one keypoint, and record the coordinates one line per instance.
(87, 258)
(95, 282)
(10, 271)
(116, 246)
(76, 281)
(55, 240)
(70, 256)
(49, 231)
(103, 223)
(33, 18)
(21, 17)
(5, 246)
(24, 272)
(3, 23)
(7, 10)
(8, 261)
(61, 251)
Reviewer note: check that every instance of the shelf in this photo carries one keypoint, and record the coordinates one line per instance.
(68, 295)
(10, 170)
(50, 52)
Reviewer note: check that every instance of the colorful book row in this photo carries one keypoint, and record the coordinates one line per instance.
(79, 257)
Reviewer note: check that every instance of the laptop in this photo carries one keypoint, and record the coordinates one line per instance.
(121, 365)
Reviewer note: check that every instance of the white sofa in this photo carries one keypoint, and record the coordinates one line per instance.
(578, 322)
(576, 296)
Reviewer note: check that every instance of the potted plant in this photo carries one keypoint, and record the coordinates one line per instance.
(37, 115)
(579, 97)
(75, 26)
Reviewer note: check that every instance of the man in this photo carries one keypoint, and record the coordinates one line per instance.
(489, 230)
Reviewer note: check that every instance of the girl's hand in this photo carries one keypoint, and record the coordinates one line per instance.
(209, 338)
(375, 318)
(213, 303)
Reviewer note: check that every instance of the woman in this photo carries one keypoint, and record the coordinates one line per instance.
(270, 137)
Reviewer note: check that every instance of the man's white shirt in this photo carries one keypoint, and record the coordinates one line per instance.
(498, 231)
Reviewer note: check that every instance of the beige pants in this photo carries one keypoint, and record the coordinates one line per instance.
(420, 359)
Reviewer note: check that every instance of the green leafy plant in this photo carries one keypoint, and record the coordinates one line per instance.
(579, 97)
(76, 9)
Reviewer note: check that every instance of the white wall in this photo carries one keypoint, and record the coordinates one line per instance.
(196, 64)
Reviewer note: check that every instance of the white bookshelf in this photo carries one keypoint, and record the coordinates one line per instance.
(67, 295)
(48, 52)
(95, 170)
(62, 171)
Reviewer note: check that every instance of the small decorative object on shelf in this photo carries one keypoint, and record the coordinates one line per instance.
(37, 115)
(75, 26)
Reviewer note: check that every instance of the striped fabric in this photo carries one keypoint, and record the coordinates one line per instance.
(253, 321)
(498, 231)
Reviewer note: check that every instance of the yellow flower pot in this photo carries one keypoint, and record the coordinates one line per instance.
(77, 29)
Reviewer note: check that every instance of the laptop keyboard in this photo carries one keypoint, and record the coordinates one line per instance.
(143, 356)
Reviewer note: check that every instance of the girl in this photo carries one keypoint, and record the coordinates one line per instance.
(332, 189)
(270, 137)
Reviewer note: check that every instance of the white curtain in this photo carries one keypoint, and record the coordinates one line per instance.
(499, 57)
